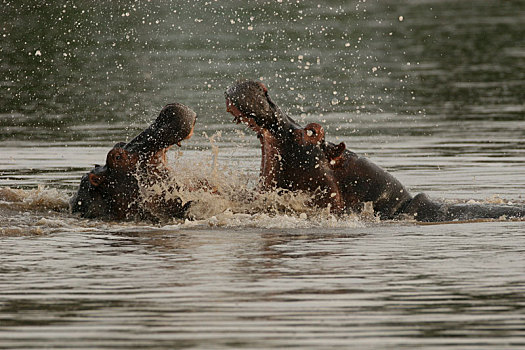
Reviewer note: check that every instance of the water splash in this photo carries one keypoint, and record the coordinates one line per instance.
(225, 196)
(41, 199)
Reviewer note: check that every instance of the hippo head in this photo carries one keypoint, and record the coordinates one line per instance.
(293, 157)
(249, 103)
(112, 190)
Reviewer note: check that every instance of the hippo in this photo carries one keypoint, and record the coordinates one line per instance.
(113, 191)
(297, 158)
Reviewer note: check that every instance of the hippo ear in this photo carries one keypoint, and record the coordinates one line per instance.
(315, 133)
(334, 151)
(95, 180)
(265, 89)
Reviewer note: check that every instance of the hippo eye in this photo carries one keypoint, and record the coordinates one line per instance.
(118, 157)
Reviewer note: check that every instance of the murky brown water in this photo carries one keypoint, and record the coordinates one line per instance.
(431, 90)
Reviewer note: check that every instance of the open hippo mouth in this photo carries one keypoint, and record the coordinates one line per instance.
(113, 191)
(250, 104)
(293, 157)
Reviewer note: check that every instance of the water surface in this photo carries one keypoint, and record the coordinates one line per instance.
(431, 90)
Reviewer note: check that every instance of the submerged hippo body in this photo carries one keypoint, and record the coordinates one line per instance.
(113, 190)
(299, 159)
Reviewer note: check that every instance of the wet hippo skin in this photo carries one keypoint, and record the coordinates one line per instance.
(299, 158)
(113, 190)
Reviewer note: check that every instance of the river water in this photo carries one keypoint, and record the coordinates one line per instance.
(431, 90)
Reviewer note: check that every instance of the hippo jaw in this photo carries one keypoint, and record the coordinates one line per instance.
(249, 103)
(174, 124)
(113, 190)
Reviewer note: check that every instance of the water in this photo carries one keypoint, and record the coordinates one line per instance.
(431, 90)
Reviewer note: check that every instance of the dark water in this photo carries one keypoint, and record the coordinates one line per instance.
(433, 91)
(369, 287)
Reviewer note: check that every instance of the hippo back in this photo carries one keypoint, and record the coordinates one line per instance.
(362, 181)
